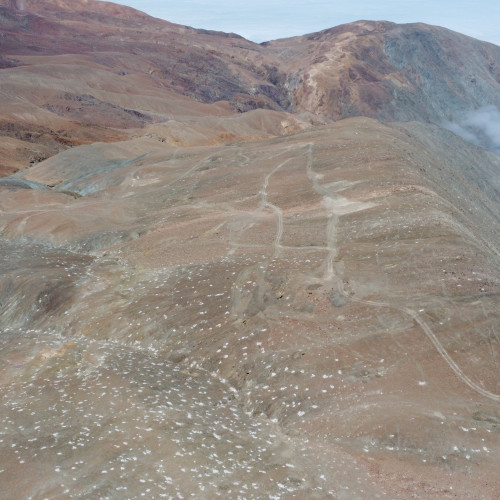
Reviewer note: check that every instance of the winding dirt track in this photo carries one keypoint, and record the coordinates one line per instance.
(237, 326)
(437, 344)
(264, 203)
(331, 237)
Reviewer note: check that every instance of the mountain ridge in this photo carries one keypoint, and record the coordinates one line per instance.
(367, 68)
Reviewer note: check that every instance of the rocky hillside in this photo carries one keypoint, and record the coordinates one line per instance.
(75, 72)
(390, 72)
(80, 71)
(218, 280)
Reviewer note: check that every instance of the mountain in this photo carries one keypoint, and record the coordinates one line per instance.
(390, 72)
(80, 71)
(231, 270)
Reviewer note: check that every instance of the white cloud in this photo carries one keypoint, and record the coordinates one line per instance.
(480, 127)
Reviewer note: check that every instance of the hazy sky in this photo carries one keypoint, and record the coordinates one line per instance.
(261, 20)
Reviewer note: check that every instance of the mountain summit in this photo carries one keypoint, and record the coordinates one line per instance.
(390, 72)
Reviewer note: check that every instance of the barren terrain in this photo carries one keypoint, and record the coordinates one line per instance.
(204, 301)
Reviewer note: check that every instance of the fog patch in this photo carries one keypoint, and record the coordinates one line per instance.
(480, 127)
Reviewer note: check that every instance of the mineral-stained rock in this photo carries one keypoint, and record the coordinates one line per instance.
(80, 71)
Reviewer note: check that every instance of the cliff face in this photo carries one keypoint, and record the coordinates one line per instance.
(215, 285)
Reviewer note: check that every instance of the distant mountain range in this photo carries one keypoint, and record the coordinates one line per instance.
(74, 71)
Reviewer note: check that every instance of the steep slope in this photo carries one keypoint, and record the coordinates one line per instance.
(193, 62)
(80, 71)
(390, 72)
